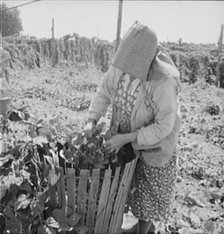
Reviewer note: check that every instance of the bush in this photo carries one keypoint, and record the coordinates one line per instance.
(194, 69)
(181, 60)
(194, 65)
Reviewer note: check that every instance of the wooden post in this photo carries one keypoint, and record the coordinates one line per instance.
(53, 46)
(52, 29)
(220, 41)
(119, 20)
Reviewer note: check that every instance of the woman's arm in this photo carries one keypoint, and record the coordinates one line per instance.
(101, 101)
(165, 109)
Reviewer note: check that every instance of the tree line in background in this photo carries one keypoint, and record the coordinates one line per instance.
(10, 21)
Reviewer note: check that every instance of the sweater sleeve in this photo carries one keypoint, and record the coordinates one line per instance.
(102, 100)
(165, 108)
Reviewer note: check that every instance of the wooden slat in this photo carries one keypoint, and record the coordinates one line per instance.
(103, 202)
(71, 191)
(76, 182)
(82, 196)
(111, 197)
(61, 191)
(118, 210)
(91, 214)
(118, 198)
(62, 194)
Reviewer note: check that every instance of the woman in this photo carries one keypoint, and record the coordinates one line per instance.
(142, 86)
(220, 74)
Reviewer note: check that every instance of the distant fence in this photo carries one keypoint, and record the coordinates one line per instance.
(193, 61)
(70, 49)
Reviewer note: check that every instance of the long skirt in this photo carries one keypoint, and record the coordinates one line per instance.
(152, 191)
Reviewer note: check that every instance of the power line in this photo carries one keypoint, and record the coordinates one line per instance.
(24, 4)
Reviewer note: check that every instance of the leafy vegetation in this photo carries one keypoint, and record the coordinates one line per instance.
(30, 158)
(38, 123)
(44, 129)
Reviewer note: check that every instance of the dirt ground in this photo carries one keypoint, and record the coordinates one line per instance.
(199, 203)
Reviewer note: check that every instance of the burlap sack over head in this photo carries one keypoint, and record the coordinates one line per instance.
(136, 51)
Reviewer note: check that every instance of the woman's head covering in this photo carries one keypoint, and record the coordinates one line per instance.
(163, 67)
(136, 51)
(140, 49)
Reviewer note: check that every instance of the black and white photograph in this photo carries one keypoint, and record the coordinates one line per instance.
(111, 117)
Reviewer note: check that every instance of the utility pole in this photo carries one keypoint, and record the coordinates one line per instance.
(119, 20)
(220, 42)
(53, 46)
(52, 29)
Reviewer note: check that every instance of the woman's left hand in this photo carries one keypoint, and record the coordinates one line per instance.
(115, 143)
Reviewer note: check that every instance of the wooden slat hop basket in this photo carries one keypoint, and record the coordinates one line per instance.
(99, 199)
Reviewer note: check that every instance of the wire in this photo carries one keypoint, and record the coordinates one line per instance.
(24, 4)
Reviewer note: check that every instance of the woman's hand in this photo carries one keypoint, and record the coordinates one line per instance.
(119, 140)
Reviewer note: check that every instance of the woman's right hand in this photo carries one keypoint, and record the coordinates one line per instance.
(90, 127)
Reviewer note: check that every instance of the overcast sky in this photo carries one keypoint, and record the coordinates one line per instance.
(193, 21)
